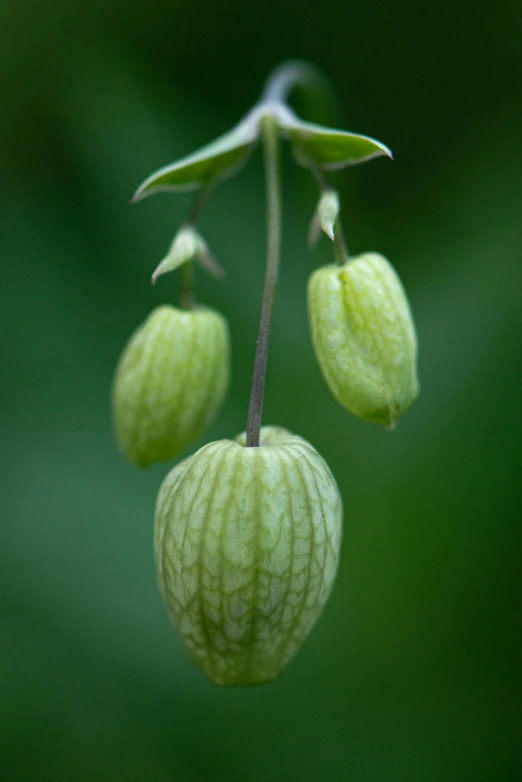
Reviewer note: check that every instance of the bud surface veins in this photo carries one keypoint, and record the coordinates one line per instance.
(170, 382)
(247, 544)
(364, 337)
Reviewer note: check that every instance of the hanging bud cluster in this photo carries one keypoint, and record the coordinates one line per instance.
(248, 531)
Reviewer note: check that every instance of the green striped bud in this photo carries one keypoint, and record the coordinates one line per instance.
(364, 337)
(247, 544)
(170, 381)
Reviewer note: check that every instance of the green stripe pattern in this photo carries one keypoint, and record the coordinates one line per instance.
(170, 382)
(247, 544)
(364, 337)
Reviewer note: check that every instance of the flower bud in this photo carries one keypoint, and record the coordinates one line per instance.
(247, 544)
(324, 217)
(187, 245)
(170, 381)
(364, 337)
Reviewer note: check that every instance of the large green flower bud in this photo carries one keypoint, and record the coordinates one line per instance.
(247, 544)
(170, 381)
(364, 337)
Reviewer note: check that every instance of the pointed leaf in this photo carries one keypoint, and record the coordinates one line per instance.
(314, 231)
(183, 249)
(328, 211)
(324, 217)
(188, 245)
(328, 148)
(218, 159)
(208, 261)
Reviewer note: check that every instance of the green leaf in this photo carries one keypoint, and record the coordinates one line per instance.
(328, 211)
(216, 160)
(327, 148)
(186, 246)
(183, 249)
(208, 261)
(324, 217)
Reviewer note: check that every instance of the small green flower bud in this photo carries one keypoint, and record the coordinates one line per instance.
(247, 544)
(364, 337)
(324, 217)
(187, 245)
(184, 248)
(170, 381)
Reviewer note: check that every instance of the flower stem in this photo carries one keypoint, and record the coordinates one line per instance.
(340, 247)
(197, 204)
(284, 78)
(289, 75)
(273, 188)
(186, 288)
(186, 291)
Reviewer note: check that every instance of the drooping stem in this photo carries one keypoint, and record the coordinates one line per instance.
(285, 77)
(271, 145)
(340, 247)
(186, 292)
(197, 204)
(186, 289)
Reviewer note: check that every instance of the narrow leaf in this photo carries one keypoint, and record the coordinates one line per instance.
(314, 231)
(327, 148)
(328, 211)
(183, 249)
(208, 261)
(324, 217)
(216, 160)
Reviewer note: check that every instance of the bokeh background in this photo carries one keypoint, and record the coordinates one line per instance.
(411, 674)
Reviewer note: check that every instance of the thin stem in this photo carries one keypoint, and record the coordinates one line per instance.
(186, 292)
(340, 247)
(186, 288)
(285, 77)
(273, 188)
(197, 204)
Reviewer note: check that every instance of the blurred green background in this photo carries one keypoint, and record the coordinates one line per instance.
(411, 673)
